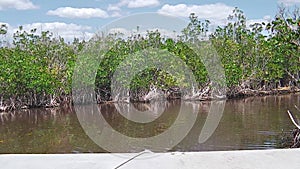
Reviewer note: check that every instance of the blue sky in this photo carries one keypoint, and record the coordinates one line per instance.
(71, 18)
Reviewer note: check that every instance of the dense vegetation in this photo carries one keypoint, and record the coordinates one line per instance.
(36, 69)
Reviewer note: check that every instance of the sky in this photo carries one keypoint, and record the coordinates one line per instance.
(82, 18)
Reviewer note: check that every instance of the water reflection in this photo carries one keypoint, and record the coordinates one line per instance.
(142, 112)
(161, 134)
(252, 123)
(213, 119)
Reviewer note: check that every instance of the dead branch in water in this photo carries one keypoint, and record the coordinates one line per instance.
(297, 108)
(293, 120)
(296, 132)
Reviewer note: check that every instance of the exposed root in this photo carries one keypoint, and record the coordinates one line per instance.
(86, 96)
(155, 94)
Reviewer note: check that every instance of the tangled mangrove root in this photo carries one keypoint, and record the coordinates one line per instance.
(31, 101)
(296, 131)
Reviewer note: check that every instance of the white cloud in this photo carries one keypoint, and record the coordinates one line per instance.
(289, 2)
(125, 33)
(113, 7)
(165, 33)
(217, 13)
(122, 31)
(133, 4)
(67, 31)
(69, 12)
(266, 19)
(17, 4)
(6, 40)
(142, 3)
(253, 21)
(115, 14)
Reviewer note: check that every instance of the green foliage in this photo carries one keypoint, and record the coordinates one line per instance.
(36, 65)
(260, 56)
(264, 55)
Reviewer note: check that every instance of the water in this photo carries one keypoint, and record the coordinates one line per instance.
(245, 124)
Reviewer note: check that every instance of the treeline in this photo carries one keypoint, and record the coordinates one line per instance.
(265, 56)
(37, 70)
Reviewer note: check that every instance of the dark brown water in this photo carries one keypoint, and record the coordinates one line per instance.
(252, 123)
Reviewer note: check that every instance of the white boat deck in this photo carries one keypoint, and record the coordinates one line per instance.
(250, 159)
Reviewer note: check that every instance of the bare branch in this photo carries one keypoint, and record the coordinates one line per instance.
(293, 120)
(297, 108)
(291, 75)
